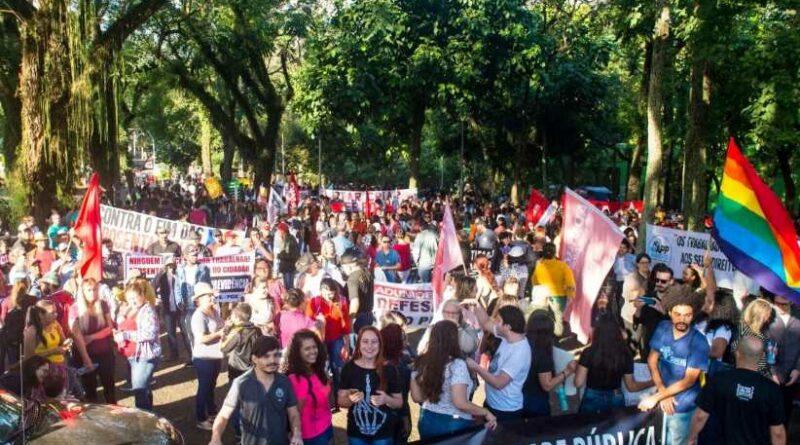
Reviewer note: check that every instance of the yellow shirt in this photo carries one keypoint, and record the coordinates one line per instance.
(556, 276)
(52, 338)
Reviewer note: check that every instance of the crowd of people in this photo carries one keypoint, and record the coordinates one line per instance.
(304, 341)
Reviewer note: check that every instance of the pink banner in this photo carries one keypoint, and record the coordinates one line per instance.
(589, 244)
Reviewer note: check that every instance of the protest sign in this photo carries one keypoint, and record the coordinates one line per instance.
(229, 274)
(356, 200)
(133, 231)
(620, 427)
(414, 301)
(680, 248)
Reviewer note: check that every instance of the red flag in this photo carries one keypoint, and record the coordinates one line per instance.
(88, 230)
(589, 245)
(293, 191)
(448, 255)
(537, 205)
(368, 207)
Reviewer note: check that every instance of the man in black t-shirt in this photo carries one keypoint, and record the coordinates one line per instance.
(359, 289)
(748, 406)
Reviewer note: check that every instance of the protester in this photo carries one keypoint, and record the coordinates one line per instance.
(207, 332)
(359, 288)
(43, 335)
(306, 370)
(559, 281)
(510, 364)
(756, 319)
(262, 305)
(397, 356)
(287, 251)
(293, 317)
(441, 383)
(188, 275)
(15, 309)
(542, 377)
(310, 275)
(92, 327)
(423, 251)
(720, 330)
(238, 338)
(164, 284)
(487, 288)
(331, 309)
(649, 307)
(147, 354)
(603, 367)
(164, 245)
(370, 390)
(262, 396)
(784, 334)
(678, 354)
(25, 379)
(749, 406)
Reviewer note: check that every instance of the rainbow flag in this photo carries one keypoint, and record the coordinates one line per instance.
(754, 230)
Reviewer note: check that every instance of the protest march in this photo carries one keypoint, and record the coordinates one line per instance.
(550, 323)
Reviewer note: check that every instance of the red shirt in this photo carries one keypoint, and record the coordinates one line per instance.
(404, 250)
(337, 318)
(63, 301)
(127, 347)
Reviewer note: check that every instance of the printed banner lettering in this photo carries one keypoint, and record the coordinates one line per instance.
(355, 200)
(622, 427)
(229, 274)
(414, 301)
(133, 231)
(680, 248)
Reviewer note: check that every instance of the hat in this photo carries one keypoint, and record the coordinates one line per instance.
(191, 250)
(39, 236)
(50, 278)
(202, 289)
(516, 252)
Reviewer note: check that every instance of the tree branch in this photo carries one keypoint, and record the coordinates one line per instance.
(22, 9)
(112, 39)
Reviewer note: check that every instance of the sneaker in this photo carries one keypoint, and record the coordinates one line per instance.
(207, 425)
(126, 388)
(188, 365)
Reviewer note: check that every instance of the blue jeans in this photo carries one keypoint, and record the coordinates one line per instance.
(207, 373)
(425, 275)
(186, 329)
(600, 401)
(535, 405)
(172, 320)
(359, 441)
(335, 361)
(433, 424)
(323, 439)
(141, 376)
(677, 428)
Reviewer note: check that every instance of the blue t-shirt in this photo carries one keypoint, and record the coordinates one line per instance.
(391, 258)
(675, 356)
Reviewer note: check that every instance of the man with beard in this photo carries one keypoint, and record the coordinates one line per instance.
(265, 400)
(649, 307)
(678, 354)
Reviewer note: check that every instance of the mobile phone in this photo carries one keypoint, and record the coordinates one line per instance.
(650, 301)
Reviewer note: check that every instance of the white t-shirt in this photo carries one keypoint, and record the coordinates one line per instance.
(515, 360)
(722, 332)
(455, 373)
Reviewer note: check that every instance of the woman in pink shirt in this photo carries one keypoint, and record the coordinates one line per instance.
(293, 317)
(306, 370)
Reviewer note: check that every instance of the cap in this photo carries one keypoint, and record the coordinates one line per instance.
(202, 289)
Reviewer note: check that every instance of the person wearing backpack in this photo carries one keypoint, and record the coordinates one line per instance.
(238, 338)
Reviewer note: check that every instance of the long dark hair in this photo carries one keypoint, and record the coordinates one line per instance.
(608, 344)
(393, 343)
(540, 331)
(28, 370)
(430, 365)
(34, 318)
(295, 365)
(380, 362)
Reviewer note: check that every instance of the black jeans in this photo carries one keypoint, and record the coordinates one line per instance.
(173, 320)
(105, 374)
(186, 329)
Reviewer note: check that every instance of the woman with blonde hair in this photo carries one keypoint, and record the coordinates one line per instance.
(755, 321)
(147, 352)
(92, 327)
(486, 283)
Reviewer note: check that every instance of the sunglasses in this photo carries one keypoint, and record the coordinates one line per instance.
(660, 281)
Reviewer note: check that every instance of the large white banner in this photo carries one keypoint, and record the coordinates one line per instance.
(355, 200)
(680, 248)
(414, 301)
(229, 274)
(133, 231)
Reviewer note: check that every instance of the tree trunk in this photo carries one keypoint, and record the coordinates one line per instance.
(655, 105)
(784, 156)
(415, 144)
(635, 171)
(44, 98)
(9, 84)
(205, 144)
(696, 151)
(226, 167)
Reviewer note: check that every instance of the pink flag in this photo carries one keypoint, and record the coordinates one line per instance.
(88, 229)
(448, 255)
(589, 245)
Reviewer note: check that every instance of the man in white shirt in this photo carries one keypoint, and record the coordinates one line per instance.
(510, 364)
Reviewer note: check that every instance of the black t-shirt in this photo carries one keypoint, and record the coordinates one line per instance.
(359, 285)
(365, 420)
(542, 362)
(746, 403)
(604, 379)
